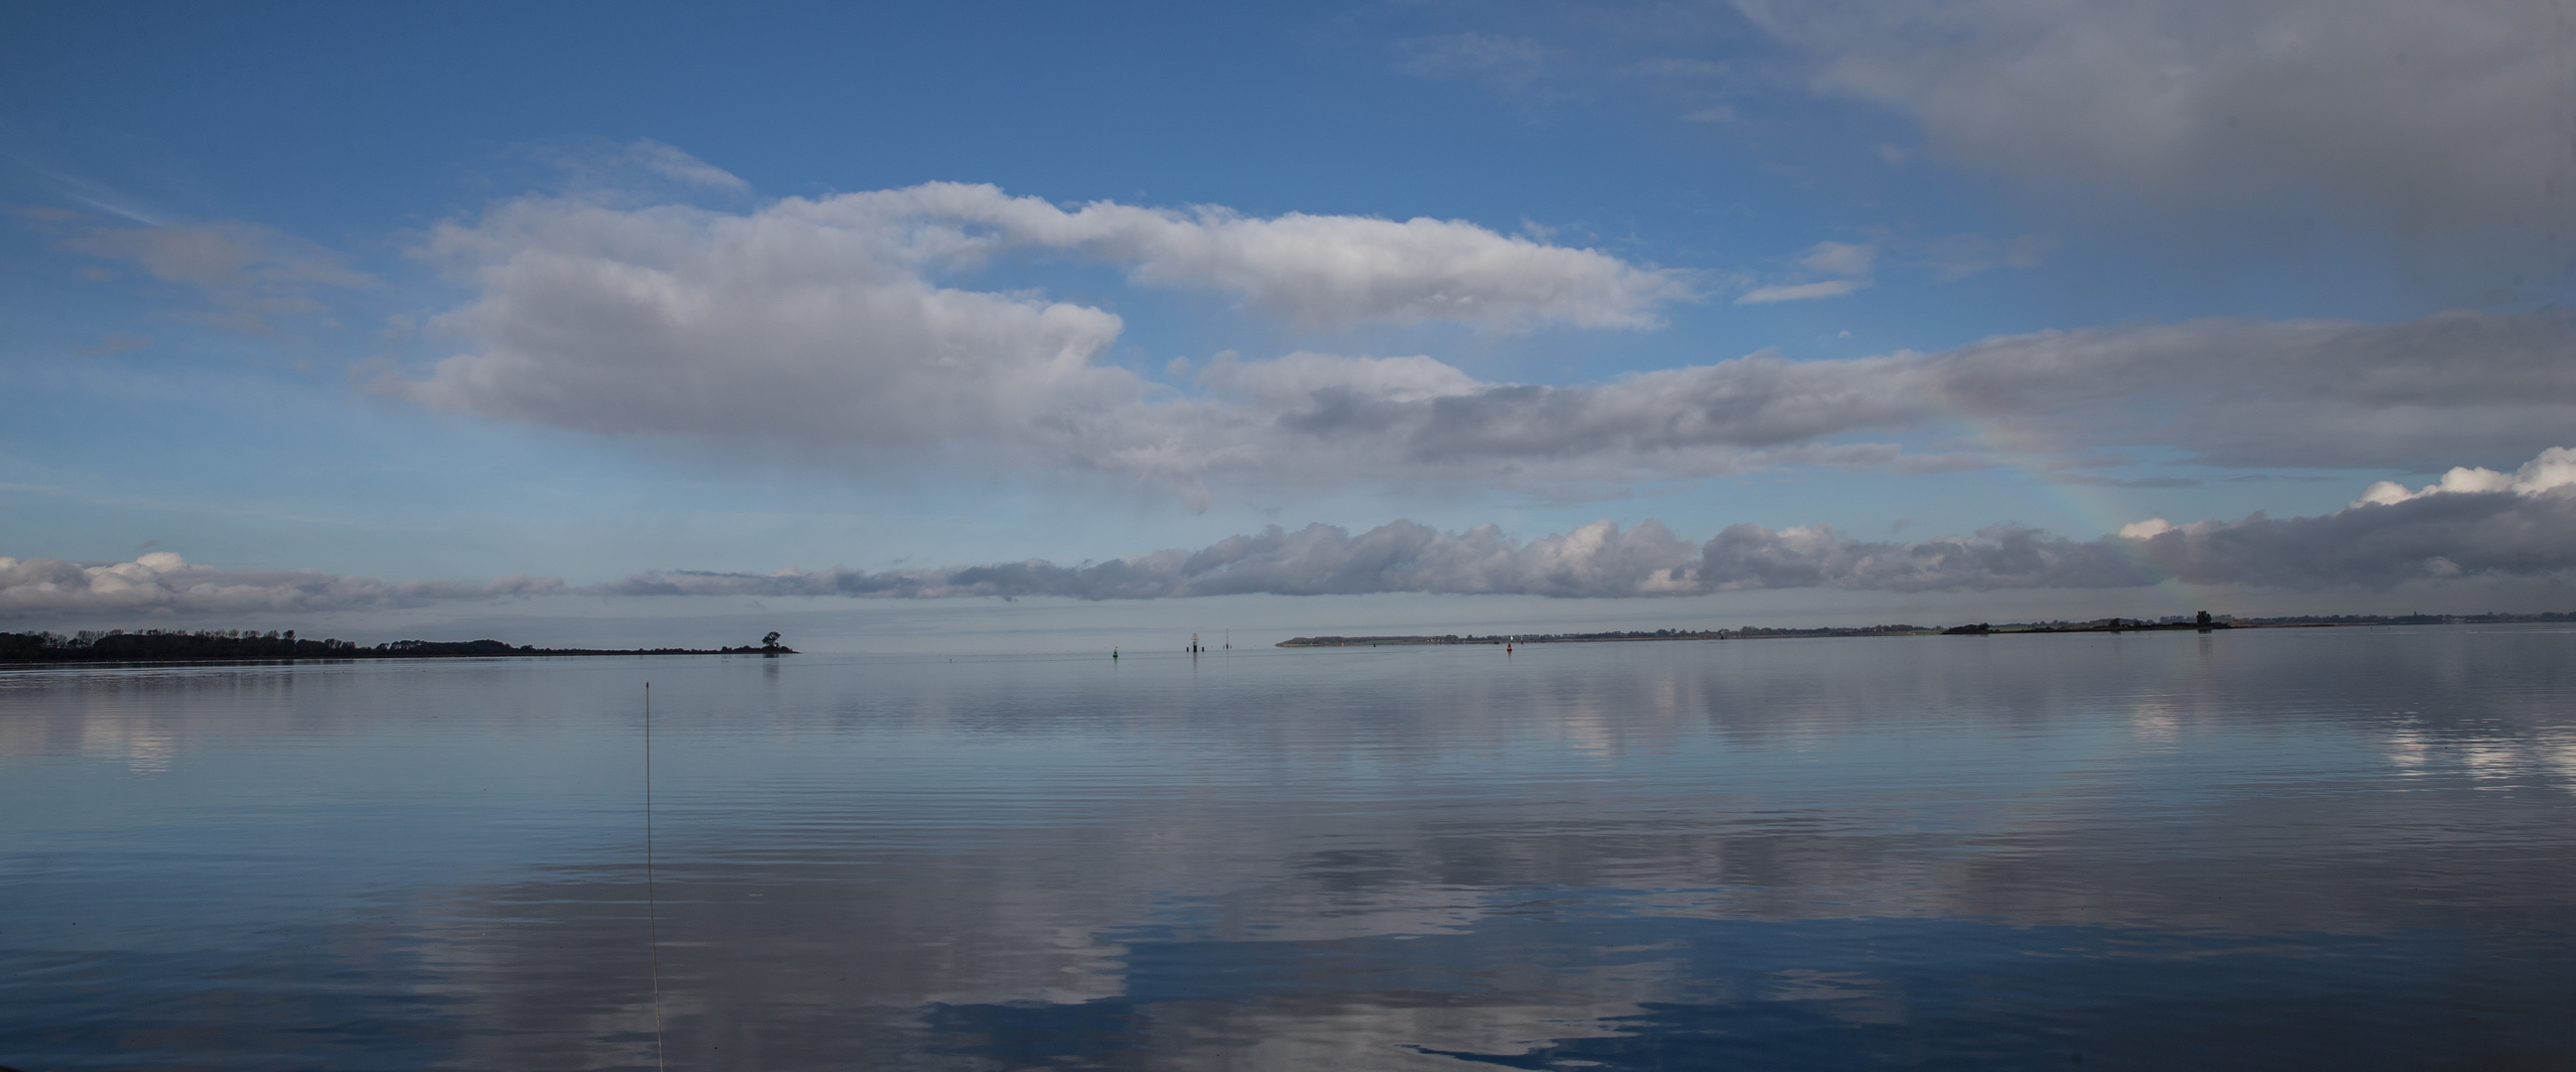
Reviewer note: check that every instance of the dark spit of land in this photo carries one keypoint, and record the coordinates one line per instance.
(2203, 622)
(234, 645)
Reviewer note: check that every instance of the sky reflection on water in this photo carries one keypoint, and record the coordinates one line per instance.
(2338, 848)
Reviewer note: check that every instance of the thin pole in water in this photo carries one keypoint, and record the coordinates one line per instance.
(652, 914)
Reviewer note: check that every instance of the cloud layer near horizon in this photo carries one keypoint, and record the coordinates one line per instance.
(820, 325)
(163, 582)
(2471, 524)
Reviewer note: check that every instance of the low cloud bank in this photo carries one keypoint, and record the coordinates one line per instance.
(2474, 523)
(1597, 559)
(2460, 528)
(163, 582)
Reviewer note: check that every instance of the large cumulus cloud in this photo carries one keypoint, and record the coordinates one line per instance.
(822, 324)
(776, 325)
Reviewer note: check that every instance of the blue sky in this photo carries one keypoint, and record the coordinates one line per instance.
(577, 293)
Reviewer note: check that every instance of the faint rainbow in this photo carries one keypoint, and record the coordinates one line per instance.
(2022, 449)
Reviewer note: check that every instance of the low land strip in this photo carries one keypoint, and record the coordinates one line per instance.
(2199, 623)
(234, 645)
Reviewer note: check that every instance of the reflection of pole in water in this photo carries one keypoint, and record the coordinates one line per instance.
(652, 913)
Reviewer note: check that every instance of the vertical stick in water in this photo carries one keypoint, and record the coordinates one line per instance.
(652, 917)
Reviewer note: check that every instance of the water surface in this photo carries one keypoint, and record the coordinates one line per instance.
(2344, 848)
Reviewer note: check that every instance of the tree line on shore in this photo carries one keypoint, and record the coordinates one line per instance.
(117, 645)
(179, 645)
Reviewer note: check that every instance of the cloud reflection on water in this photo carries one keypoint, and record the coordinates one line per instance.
(1385, 858)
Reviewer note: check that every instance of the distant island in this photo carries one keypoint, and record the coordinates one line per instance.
(2204, 621)
(229, 645)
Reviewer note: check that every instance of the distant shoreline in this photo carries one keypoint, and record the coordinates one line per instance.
(170, 648)
(1745, 634)
(2108, 625)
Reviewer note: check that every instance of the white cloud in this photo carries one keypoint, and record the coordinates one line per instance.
(625, 173)
(2151, 527)
(818, 325)
(1830, 288)
(165, 583)
(2439, 114)
(2555, 468)
(1851, 261)
(1321, 271)
(816, 322)
(1839, 258)
(775, 325)
(671, 163)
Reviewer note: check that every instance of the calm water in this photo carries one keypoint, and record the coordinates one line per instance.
(2310, 848)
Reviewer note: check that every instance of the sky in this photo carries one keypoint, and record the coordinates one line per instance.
(640, 319)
